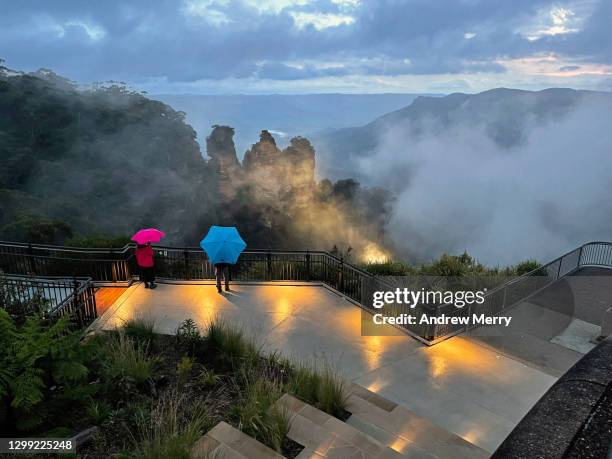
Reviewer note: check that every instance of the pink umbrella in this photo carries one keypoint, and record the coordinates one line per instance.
(145, 236)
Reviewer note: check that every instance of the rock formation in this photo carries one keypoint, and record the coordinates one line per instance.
(220, 148)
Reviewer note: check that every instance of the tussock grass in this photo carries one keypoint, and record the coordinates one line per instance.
(332, 394)
(140, 328)
(170, 431)
(323, 388)
(230, 344)
(127, 360)
(259, 417)
(184, 369)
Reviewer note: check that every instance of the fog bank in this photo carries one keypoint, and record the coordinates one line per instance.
(457, 189)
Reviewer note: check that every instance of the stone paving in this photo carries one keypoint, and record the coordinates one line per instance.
(459, 385)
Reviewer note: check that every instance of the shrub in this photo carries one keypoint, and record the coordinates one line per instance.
(188, 337)
(388, 268)
(527, 266)
(140, 329)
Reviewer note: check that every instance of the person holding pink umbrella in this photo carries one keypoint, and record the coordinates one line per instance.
(144, 254)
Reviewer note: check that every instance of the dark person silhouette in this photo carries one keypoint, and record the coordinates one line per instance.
(144, 259)
(222, 270)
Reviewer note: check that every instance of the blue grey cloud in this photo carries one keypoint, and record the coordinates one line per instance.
(183, 42)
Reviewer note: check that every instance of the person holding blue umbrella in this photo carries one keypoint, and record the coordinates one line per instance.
(223, 245)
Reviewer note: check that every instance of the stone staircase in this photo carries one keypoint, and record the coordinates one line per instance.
(404, 431)
(324, 436)
(376, 429)
(227, 442)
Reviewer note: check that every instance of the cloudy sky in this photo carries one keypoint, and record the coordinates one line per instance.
(301, 46)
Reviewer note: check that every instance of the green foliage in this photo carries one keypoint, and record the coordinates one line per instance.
(332, 393)
(184, 369)
(453, 265)
(99, 241)
(304, 382)
(34, 358)
(72, 157)
(19, 300)
(527, 266)
(140, 329)
(388, 268)
(229, 344)
(127, 365)
(259, 417)
(98, 411)
(188, 337)
(171, 429)
(37, 230)
(450, 266)
(208, 378)
(324, 389)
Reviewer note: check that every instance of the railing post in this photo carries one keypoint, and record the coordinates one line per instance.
(579, 257)
(114, 265)
(269, 265)
(340, 275)
(30, 253)
(307, 266)
(76, 303)
(186, 263)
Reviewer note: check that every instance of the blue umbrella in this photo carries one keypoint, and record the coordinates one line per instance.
(223, 244)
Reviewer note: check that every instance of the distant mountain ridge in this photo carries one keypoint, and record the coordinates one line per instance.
(505, 114)
(284, 116)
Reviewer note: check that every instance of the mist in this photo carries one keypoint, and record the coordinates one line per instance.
(457, 189)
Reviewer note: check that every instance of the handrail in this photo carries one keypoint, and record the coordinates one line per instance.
(70, 296)
(118, 264)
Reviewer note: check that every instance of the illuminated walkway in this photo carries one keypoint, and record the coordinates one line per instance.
(459, 384)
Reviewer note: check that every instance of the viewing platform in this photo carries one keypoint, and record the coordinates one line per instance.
(310, 306)
(460, 385)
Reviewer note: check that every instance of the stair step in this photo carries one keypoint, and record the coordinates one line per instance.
(227, 442)
(405, 431)
(325, 436)
(402, 446)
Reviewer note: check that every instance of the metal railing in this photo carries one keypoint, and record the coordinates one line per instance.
(511, 293)
(23, 295)
(114, 265)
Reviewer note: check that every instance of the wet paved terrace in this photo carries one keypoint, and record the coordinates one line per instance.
(461, 384)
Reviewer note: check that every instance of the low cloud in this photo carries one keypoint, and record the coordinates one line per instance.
(461, 191)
